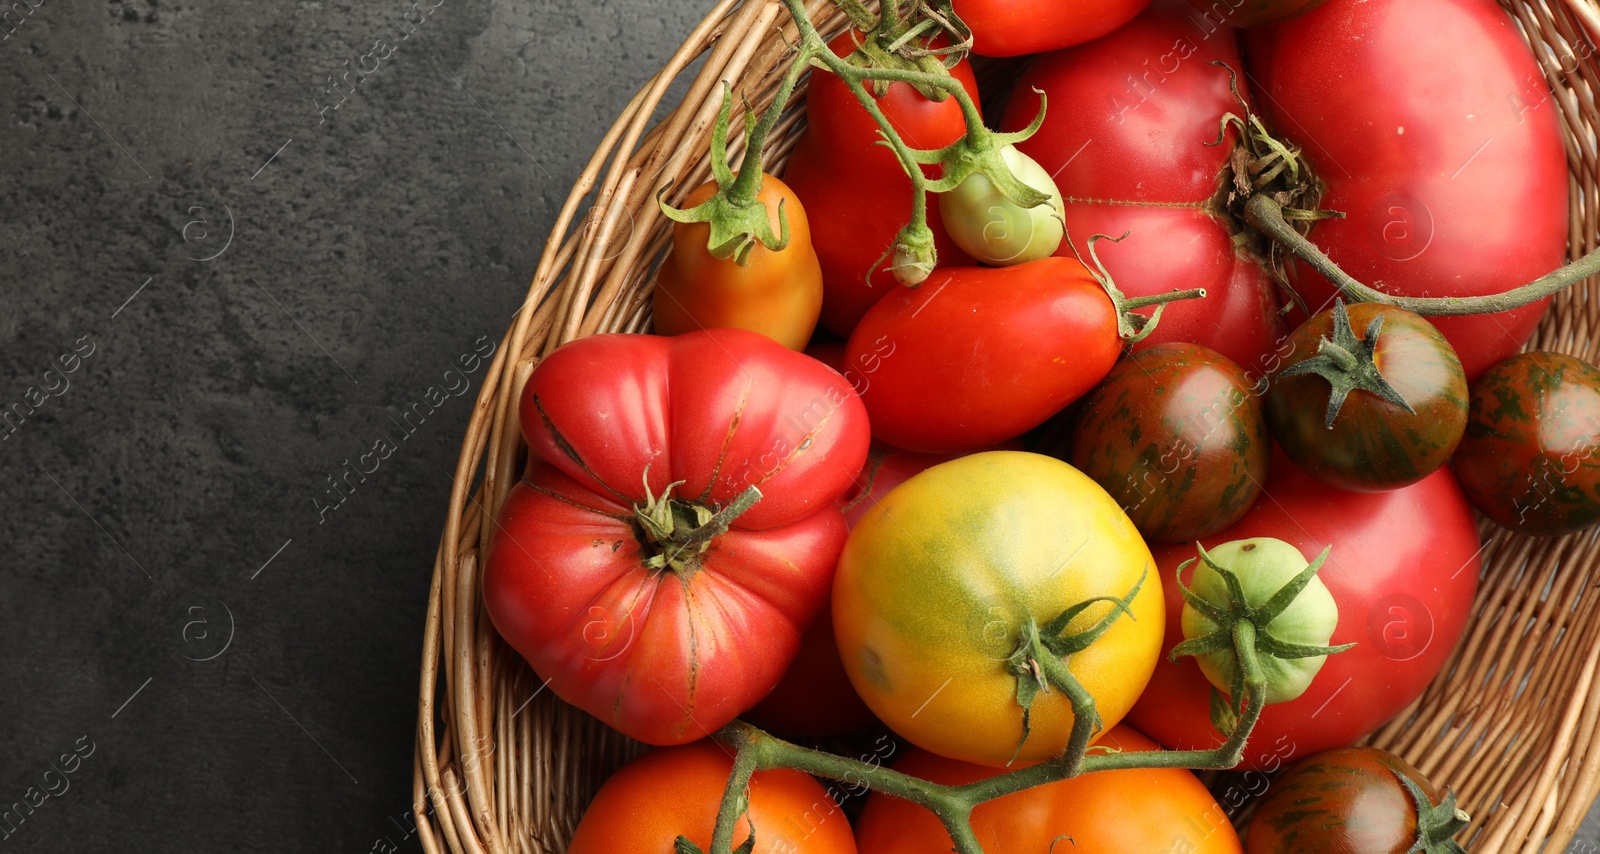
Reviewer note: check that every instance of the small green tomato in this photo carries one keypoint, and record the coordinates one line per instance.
(996, 231)
(1263, 566)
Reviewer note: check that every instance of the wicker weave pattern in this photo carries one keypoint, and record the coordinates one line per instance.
(1510, 723)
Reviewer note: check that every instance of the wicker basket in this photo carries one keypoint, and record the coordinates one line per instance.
(503, 766)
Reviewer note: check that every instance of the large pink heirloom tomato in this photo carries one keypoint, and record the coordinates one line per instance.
(629, 566)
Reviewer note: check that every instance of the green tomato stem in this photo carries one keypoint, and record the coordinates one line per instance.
(1263, 212)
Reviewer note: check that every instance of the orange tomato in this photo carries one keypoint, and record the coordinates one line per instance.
(672, 791)
(1157, 811)
(777, 293)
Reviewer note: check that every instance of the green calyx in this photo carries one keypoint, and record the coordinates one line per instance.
(737, 219)
(981, 152)
(1348, 364)
(901, 38)
(1256, 613)
(1437, 824)
(1132, 326)
(675, 532)
(1039, 661)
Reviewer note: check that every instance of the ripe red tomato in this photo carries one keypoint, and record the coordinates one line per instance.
(1443, 152)
(855, 192)
(1127, 138)
(668, 635)
(777, 293)
(1016, 27)
(1529, 458)
(1348, 801)
(675, 791)
(1111, 812)
(1403, 571)
(975, 355)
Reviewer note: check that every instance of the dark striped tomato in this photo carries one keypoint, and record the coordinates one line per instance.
(1528, 459)
(1176, 434)
(1373, 444)
(1348, 801)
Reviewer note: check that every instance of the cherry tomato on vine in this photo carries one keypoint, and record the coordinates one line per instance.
(658, 577)
(1016, 27)
(675, 791)
(1128, 138)
(1432, 206)
(1403, 571)
(856, 193)
(975, 356)
(1354, 801)
(1370, 398)
(1110, 812)
(1531, 456)
(776, 293)
(944, 577)
(1175, 433)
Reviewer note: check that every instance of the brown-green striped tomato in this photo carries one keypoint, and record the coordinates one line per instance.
(1175, 433)
(1530, 459)
(1368, 402)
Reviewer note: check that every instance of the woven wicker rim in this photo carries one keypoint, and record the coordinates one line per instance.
(503, 766)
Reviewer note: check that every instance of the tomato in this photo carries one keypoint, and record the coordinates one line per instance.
(1109, 812)
(1344, 425)
(1016, 27)
(815, 699)
(777, 293)
(975, 356)
(854, 190)
(993, 229)
(1528, 460)
(1403, 572)
(1253, 13)
(675, 791)
(1127, 138)
(1349, 801)
(941, 579)
(604, 572)
(1444, 153)
(1176, 435)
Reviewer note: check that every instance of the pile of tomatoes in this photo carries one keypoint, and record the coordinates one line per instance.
(854, 512)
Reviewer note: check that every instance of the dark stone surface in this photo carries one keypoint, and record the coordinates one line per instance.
(249, 295)
(193, 440)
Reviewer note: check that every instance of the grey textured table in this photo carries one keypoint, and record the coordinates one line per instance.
(227, 272)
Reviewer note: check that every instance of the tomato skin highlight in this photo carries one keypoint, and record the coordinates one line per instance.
(1016, 27)
(675, 791)
(1127, 137)
(777, 293)
(1373, 445)
(1024, 342)
(1176, 434)
(1340, 802)
(666, 655)
(939, 577)
(855, 191)
(1110, 812)
(1431, 207)
(1529, 458)
(1403, 571)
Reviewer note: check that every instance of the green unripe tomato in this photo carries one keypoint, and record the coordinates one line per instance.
(996, 231)
(1263, 565)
